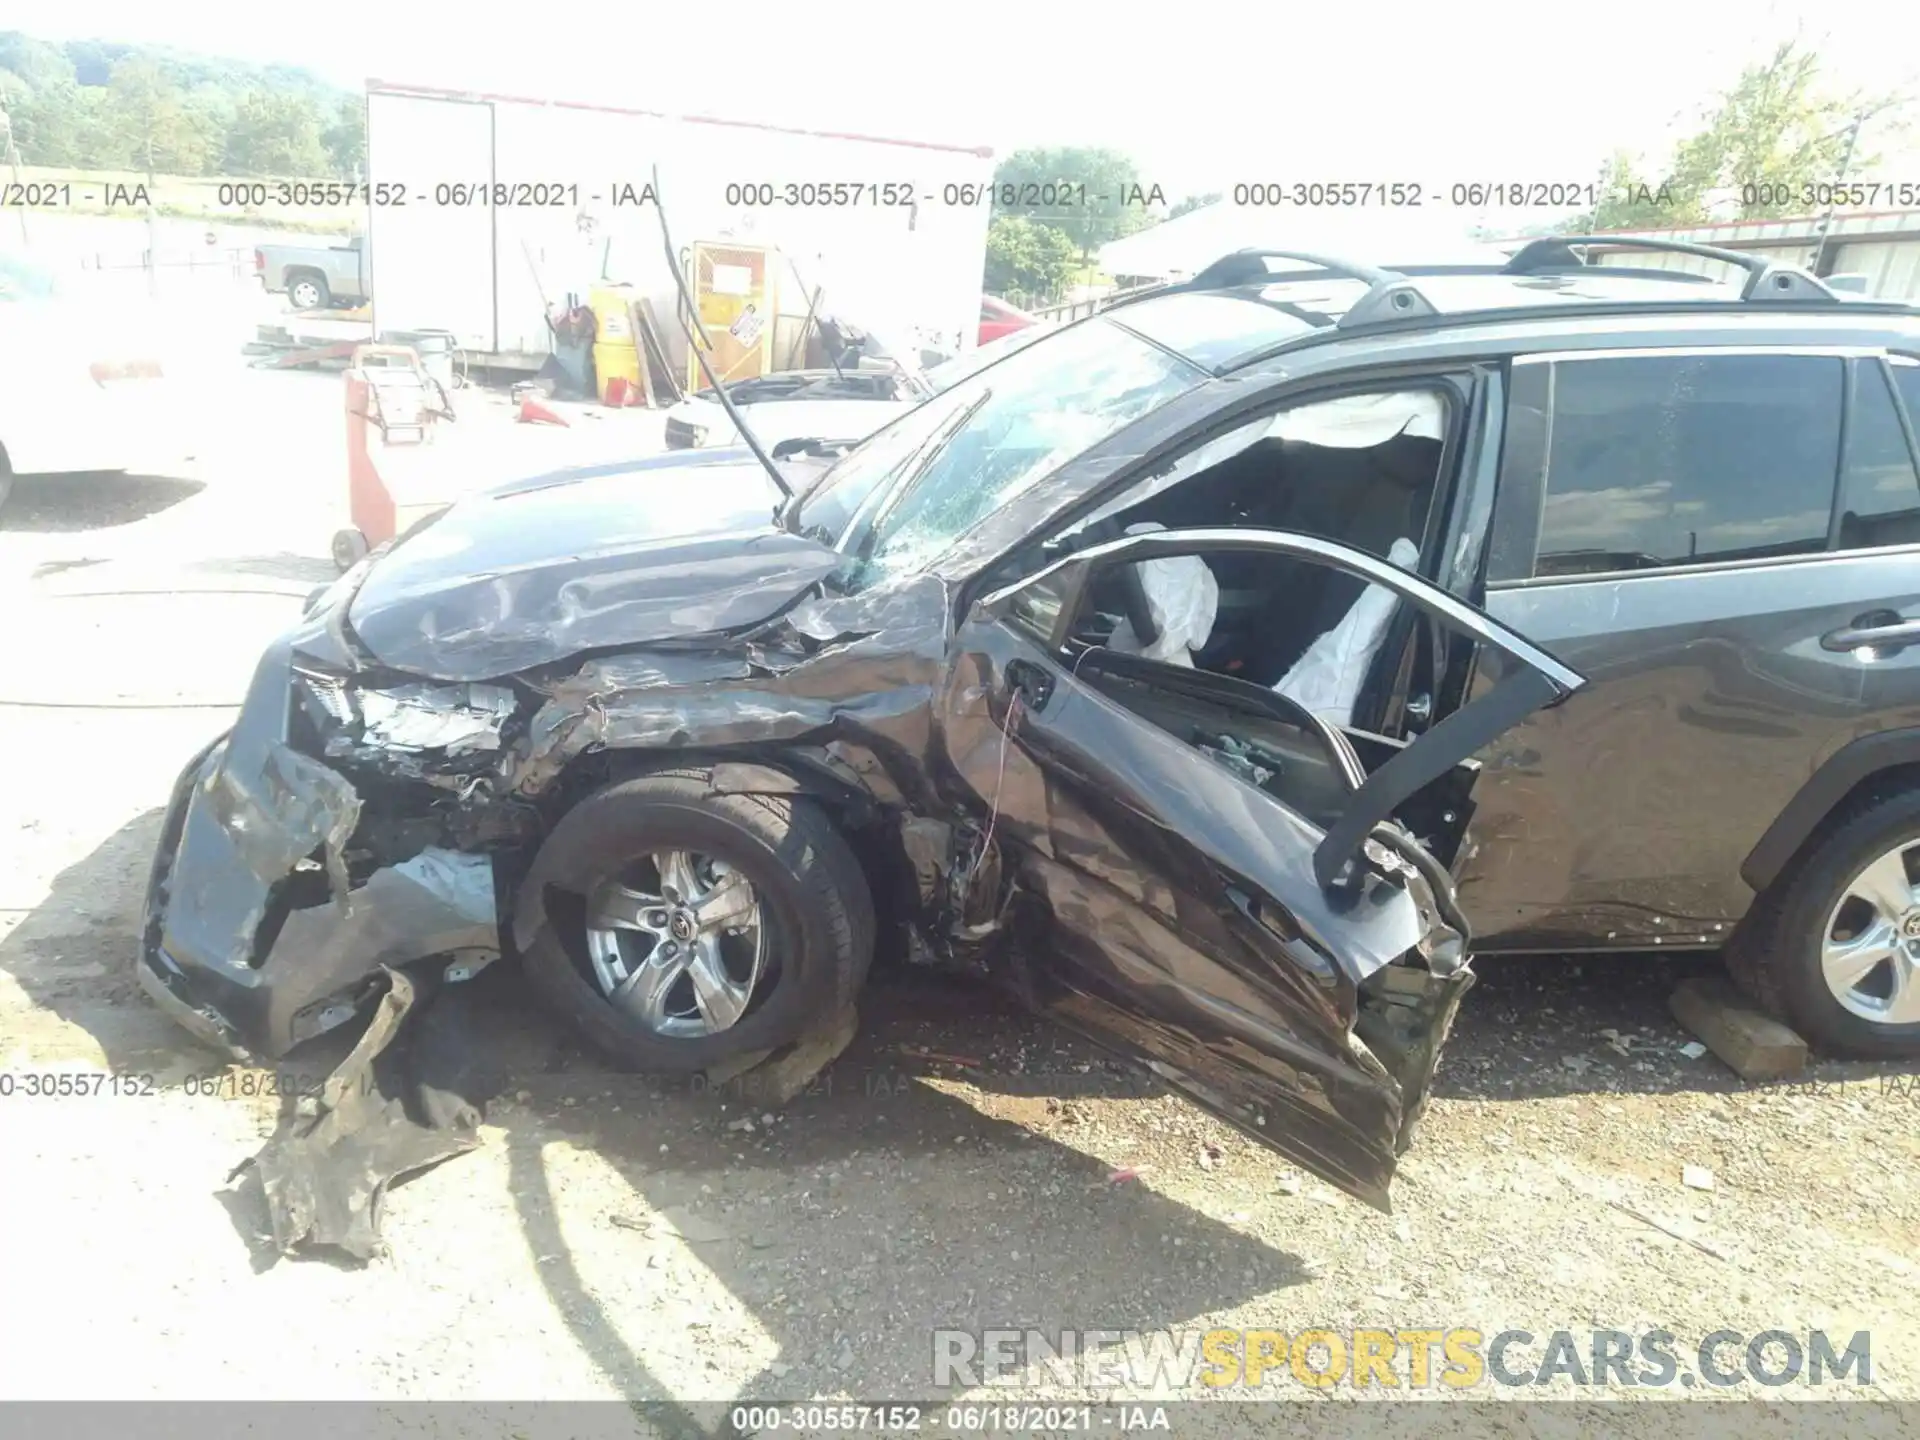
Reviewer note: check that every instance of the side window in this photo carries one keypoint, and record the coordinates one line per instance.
(1879, 489)
(1362, 469)
(1036, 609)
(1685, 459)
(1906, 379)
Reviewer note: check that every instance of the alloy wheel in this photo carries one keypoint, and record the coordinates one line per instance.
(677, 941)
(1870, 950)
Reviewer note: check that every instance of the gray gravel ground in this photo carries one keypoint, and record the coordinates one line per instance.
(620, 1238)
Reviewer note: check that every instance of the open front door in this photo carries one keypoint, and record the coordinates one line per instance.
(1227, 886)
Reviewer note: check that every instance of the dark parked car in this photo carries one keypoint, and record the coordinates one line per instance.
(1217, 673)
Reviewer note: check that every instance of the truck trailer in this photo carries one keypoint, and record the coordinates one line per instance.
(486, 211)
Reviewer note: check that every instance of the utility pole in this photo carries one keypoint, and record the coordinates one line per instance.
(11, 155)
(1826, 220)
(153, 223)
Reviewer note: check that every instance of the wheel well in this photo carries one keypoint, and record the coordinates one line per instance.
(1857, 775)
(855, 814)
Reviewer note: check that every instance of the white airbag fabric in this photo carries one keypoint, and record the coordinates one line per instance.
(1326, 679)
(1182, 597)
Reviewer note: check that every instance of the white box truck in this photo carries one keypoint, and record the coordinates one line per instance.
(484, 209)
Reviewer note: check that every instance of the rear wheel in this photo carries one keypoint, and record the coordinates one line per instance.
(1836, 951)
(308, 291)
(677, 928)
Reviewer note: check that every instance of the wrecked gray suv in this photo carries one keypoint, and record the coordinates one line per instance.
(1136, 672)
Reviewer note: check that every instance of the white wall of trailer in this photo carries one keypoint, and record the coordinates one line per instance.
(480, 270)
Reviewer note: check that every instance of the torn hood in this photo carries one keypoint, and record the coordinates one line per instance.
(542, 569)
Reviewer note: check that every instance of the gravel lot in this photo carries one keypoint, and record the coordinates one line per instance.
(615, 1238)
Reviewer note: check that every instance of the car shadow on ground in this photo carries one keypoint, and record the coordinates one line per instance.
(881, 1184)
(872, 1209)
(97, 500)
(1534, 1027)
(923, 1183)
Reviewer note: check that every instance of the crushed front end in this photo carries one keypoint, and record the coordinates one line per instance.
(340, 830)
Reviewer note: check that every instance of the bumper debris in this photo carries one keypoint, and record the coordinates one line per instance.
(410, 1095)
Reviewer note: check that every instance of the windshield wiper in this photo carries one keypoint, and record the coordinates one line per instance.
(699, 344)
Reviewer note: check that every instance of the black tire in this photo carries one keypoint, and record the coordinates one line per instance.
(812, 891)
(319, 298)
(349, 548)
(1775, 955)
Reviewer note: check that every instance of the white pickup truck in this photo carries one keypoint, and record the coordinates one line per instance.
(316, 277)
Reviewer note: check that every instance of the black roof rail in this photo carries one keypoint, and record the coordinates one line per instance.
(1765, 279)
(1390, 294)
(1244, 267)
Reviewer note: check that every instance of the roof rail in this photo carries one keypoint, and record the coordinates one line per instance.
(1394, 295)
(1765, 279)
(1390, 294)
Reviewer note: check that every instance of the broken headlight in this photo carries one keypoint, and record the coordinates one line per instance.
(401, 720)
(453, 718)
(326, 693)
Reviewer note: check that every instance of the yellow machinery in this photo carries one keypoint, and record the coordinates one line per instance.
(732, 288)
(616, 349)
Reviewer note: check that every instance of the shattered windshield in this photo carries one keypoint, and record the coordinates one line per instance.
(907, 493)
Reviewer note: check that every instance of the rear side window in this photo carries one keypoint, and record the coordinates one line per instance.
(1655, 461)
(1879, 489)
(1906, 379)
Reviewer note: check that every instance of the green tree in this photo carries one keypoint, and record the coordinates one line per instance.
(1028, 258)
(1778, 129)
(147, 119)
(42, 100)
(276, 134)
(346, 139)
(1091, 196)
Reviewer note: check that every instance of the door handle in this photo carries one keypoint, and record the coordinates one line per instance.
(1031, 683)
(1877, 629)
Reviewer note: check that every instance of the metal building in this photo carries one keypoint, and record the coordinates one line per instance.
(1882, 247)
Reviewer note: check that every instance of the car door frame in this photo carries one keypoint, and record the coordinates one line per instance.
(1524, 679)
(1288, 892)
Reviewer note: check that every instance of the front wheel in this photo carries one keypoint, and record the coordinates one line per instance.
(308, 292)
(677, 928)
(1836, 950)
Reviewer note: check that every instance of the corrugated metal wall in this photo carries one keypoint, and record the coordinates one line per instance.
(1699, 265)
(1892, 267)
(1883, 247)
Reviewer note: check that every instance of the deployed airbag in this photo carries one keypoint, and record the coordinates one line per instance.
(1327, 678)
(1182, 598)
